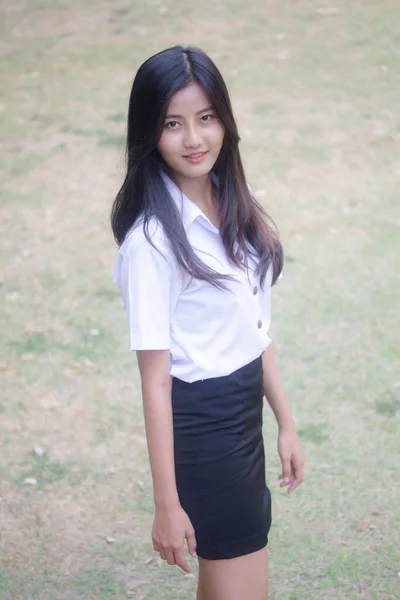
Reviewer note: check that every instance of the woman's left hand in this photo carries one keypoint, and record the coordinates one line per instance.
(292, 458)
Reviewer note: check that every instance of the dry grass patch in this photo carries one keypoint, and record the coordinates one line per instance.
(315, 93)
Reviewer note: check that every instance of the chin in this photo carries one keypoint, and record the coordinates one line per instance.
(193, 173)
(199, 170)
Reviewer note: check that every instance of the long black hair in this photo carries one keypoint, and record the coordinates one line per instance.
(144, 194)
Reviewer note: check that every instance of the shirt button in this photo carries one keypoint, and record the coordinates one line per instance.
(259, 324)
(255, 290)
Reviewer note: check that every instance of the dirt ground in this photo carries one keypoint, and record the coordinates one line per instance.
(315, 92)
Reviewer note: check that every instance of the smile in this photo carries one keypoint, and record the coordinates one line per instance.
(195, 157)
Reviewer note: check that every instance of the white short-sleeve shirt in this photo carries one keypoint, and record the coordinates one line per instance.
(209, 332)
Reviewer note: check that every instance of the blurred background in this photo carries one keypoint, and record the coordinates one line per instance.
(315, 88)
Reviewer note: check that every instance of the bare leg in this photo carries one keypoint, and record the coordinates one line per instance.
(200, 590)
(234, 579)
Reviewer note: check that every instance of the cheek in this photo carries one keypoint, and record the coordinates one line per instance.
(162, 146)
(167, 145)
(218, 136)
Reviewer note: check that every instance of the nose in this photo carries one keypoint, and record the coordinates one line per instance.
(192, 139)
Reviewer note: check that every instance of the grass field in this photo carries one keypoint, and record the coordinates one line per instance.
(315, 89)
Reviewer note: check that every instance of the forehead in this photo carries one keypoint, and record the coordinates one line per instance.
(188, 101)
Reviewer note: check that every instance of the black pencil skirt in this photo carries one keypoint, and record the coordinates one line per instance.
(220, 463)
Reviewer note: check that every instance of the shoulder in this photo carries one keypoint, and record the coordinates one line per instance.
(250, 191)
(146, 243)
(143, 254)
(151, 235)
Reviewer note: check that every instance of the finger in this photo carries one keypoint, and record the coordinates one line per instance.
(295, 484)
(170, 557)
(297, 467)
(286, 471)
(299, 476)
(191, 542)
(180, 560)
(155, 546)
(162, 554)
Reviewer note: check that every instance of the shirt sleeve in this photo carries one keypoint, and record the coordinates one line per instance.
(146, 280)
(265, 299)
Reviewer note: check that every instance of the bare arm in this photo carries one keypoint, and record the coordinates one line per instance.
(171, 524)
(273, 390)
(154, 366)
(289, 448)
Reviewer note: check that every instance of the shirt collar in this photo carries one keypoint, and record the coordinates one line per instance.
(188, 210)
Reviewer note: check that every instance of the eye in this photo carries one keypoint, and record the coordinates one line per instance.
(207, 118)
(172, 125)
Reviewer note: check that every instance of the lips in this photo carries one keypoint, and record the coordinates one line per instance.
(195, 157)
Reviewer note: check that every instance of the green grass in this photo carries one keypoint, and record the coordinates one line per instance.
(44, 471)
(316, 99)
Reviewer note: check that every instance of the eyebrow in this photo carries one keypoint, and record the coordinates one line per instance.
(198, 113)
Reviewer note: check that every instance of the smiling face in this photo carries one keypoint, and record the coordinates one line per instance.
(192, 135)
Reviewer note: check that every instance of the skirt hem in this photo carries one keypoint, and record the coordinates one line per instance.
(234, 549)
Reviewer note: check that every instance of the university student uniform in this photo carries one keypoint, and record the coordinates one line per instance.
(216, 339)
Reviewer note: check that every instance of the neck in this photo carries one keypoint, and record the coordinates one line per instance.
(196, 189)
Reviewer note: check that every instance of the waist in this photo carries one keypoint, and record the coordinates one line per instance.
(194, 365)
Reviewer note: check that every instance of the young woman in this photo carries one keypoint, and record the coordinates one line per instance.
(195, 266)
